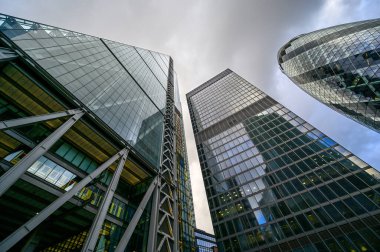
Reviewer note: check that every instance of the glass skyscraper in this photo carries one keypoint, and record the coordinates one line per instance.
(92, 147)
(339, 66)
(273, 181)
(205, 242)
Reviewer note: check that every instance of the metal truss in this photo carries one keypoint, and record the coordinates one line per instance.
(97, 223)
(163, 226)
(13, 174)
(136, 217)
(165, 219)
(35, 119)
(25, 229)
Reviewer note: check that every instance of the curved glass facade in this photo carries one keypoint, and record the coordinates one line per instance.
(339, 66)
(276, 183)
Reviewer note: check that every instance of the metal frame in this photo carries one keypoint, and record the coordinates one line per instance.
(92, 237)
(13, 174)
(35, 119)
(163, 230)
(153, 219)
(52, 157)
(25, 229)
(136, 217)
(163, 227)
(166, 236)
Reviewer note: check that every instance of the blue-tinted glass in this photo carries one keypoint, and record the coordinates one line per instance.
(266, 166)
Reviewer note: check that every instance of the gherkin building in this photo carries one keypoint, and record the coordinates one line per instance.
(340, 67)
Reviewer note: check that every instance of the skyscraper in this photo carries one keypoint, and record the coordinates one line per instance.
(205, 242)
(92, 146)
(339, 66)
(273, 181)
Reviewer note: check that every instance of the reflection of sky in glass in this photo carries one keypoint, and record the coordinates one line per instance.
(260, 217)
(112, 79)
(253, 202)
(263, 158)
(327, 142)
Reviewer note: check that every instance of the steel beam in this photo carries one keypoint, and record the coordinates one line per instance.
(32, 243)
(97, 223)
(136, 217)
(153, 219)
(11, 176)
(35, 119)
(7, 54)
(22, 231)
(175, 195)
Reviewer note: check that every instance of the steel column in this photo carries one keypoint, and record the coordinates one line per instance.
(22, 231)
(175, 195)
(11, 176)
(166, 239)
(97, 223)
(152, 236)
(37, 118)
(136, 217)
(176, 224)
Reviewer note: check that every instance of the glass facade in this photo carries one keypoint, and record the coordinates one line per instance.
(124, 93)
(186, 219)
(205, 242)
(273, 181)
(111, 79)
(339, 66)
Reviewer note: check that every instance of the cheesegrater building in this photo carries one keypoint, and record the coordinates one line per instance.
(339, 66)
(273, 181)
(92, 145)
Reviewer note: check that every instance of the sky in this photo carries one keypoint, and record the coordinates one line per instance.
(206, 37)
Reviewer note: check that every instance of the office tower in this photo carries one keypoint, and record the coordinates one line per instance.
(273, 181)
(92, 146)
(339, 66)
(205, 242)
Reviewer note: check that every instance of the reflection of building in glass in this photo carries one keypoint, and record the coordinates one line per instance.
(205, 242)
(185, 203)
(92, 149)
(148, 129)
(273, 181)
(339, 66)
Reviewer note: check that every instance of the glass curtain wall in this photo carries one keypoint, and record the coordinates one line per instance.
(273, 181)
(339, 66)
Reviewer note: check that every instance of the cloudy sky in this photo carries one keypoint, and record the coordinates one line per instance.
(206, 37)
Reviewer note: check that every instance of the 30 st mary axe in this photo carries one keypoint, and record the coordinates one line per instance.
(273, 181)
(339, 66)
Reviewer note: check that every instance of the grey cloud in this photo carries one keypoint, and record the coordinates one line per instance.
(205, 37)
